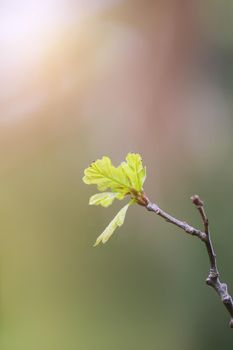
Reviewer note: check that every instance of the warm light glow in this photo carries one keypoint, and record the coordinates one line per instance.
(25, 31)
(28, 32)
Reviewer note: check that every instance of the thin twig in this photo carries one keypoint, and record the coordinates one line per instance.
(213, 277)
(182, 224)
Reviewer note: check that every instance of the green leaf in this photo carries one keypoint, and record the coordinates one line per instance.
(105, 175)
(105, 199)
(127, 178)
(116, 222)
(134, 170)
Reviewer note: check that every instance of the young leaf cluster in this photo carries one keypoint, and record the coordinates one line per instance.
(116, 183)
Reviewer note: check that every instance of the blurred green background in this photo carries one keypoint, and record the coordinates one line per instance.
(83, 79)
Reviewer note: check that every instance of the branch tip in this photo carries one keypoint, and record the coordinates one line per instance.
(197, 201)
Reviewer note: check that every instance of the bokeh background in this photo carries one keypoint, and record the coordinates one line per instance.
(83, 79)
